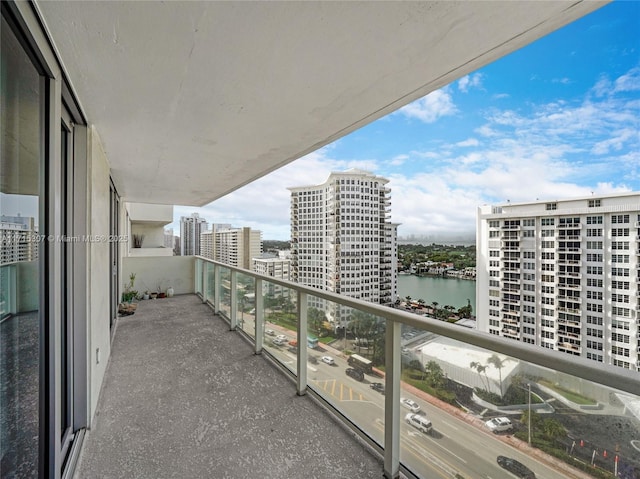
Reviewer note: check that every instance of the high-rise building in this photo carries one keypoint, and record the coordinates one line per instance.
(342, 238)
(206, 244)
(237, 246)
(19, 239)
(190, 229)
(168, 238)
(275, 267)
(563, 275)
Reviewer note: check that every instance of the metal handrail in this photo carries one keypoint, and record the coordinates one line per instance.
(614, 377)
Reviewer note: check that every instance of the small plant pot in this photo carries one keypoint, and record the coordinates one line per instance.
(145, 296)
(153, 295)
(162, 295)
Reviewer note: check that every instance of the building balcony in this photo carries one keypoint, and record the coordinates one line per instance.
(214, 388)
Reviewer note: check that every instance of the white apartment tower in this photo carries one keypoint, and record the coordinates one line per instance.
(19, 239)
(206, 244)
(237, 246)
(342, 238)
(190, 229)
(563, 275)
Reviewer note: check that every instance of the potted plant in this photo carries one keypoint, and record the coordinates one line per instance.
(145, 295)
(129, 293)
(137, 240)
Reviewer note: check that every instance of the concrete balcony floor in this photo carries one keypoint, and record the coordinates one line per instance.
(185, 397)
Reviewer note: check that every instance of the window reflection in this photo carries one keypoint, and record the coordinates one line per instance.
(19, 270)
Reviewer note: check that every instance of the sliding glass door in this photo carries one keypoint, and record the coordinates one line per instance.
(21, 178)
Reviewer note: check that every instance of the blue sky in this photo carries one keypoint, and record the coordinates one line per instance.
(559, 118)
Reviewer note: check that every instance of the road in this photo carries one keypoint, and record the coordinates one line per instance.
(454, 447)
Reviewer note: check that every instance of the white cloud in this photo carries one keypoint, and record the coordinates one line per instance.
(468, 82)
(398, 160)
(468, 142)
(628, 82)
(431, 107)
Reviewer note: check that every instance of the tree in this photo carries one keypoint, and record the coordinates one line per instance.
(481, 368)
(316, 320)
(535, 419)
(435, 375)
(553, 429)
(366, 326)
(495, 361)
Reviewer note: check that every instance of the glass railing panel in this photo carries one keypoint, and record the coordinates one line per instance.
(209, 271)
(345, 354)
(466, 414)
(245, 298)
(198, 279)
(225, 292)
(7, 290)
(281, 323)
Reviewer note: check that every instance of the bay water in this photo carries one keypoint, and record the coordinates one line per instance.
(445, 291)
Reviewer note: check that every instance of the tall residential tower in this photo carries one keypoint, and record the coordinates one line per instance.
(342, 238)
(190, 229)
(563, 275)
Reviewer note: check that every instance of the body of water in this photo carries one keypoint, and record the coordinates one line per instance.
(445, 291)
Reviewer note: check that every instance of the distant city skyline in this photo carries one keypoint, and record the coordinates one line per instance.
(559, 118)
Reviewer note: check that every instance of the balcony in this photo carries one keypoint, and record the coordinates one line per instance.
(199, 373)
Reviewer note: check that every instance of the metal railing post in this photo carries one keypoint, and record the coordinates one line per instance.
(233, 307)
(216, 288)
(259, 315)
(205, 280)
(392, 401)
(302, 344)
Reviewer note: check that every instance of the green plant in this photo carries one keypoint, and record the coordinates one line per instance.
(129, 293)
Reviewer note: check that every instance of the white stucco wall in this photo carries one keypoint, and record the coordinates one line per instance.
(154, 272)
(153, 235)
(99, 271)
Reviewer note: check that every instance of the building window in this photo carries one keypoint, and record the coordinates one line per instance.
(551, 206)
(594, 203)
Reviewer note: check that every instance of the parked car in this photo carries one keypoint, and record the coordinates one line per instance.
(328, 359)
(421, 423)
(410, 405)
(499, 424)
(377, 387)
(355, 374)
(278, 341)
(516, 467)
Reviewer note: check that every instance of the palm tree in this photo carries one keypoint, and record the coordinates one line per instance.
(497, 363)
(480, 368)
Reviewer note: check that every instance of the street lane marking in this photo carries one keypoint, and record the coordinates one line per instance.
(446, 449)
(455, 428)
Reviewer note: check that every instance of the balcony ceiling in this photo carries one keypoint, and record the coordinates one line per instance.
(193, 100)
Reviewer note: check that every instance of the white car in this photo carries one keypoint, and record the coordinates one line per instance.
(270, 332)
(328, 359)
(282, 337)
(410, 404)
(421, 423)
(279, 342)
(499, 424)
